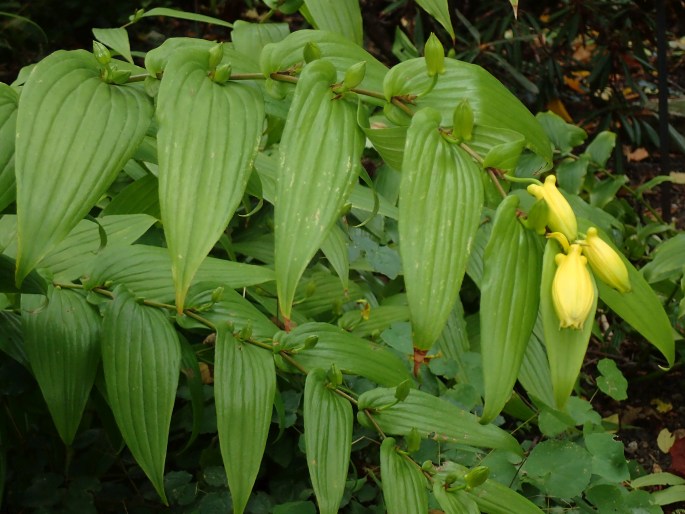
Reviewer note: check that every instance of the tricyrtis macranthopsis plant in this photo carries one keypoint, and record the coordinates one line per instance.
(239, 166)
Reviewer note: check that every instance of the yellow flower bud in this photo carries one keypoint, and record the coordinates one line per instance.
(572, 291)
(560, 217)
(605, 262)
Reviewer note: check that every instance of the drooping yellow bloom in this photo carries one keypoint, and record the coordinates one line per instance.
(572, 291)
(605, 262)
(560, 217)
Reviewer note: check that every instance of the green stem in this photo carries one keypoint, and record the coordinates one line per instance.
(520, 180)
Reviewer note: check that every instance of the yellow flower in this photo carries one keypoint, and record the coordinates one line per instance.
(560, 217)
(605, 262)
(572, 291)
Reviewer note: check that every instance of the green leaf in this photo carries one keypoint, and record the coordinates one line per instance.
(336, 49)
(667, 262)
(335, 249)
(500, 148)
(571, 174)
(342, 17)
(250, 38)
(320, 159)
(657, 479)
(439, 9)
(404, 486)
(611, 381)
(76, 253)
(244, 389)
(349, 353)
(12, 337)
(510, 296)
(641, 307)
(564, 136)
(299, 507)
(599, 150)
(605, 191)
(146, 270)
(62, 340)
(439, 214)
(116, 39)
(495, 498)
(493, 104)
(566, 347)
(8, 122)
(534, 374)
(454, 502)
(33, 282)
(608, 459)
(433, 417)
(86, 130)
(560, 468)
(182, 15)
(139, 197)
(328, 423)
(141, 358)
(199, 192)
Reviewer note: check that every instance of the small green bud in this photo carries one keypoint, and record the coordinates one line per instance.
(462, 121)
(435, 56)
(120, 76)
(311, 52)
(476, 476)
(246, 332)
(101, 53)
(428, 467)
(413, 440)
(537, 217)
(216, 53)
(310, 342)
(136, 16)
(354, 75)
(402, 390)
(217, 294)
(334, 376)
(221, 74)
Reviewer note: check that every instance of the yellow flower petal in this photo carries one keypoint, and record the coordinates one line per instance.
(605, 262)
(572, 291)
(561, 217)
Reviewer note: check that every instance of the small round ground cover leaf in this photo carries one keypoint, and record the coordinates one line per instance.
(559, 468)
(612, 382)
(608, 459)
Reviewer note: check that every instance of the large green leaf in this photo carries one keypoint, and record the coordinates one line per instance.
(146, 270)
(361, 198)
(116, 39)
(349, 353)
(441, 196)
(668, 261)
(244, 389)
(328, 423)
(74, 134)
(76, 253)
(404, 486)
(438, 9)
(432, 417)
(510, 295)
(566, 347)
(33, 282)
(320, 159)
(534, 373)
(141, 359)
(62, 340)
(12, 337)
(493, 104)
(8, 122)
(250, 38)
(335, 48)
(640, 307)
(342, 17)
(454, 502)
(200, 191)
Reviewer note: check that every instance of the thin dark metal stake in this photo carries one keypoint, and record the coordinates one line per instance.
(664, 137)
